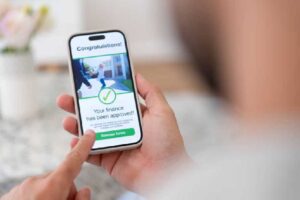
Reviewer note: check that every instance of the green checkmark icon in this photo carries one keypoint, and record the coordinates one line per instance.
(107, 95)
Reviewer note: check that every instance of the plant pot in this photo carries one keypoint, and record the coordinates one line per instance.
(18, 86)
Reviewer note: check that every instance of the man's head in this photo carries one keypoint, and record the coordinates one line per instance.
(248, 51)
(195, 23)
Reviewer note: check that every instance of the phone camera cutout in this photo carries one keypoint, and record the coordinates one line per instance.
(96, 37)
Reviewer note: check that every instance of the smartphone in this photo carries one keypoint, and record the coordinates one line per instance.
(105, 91)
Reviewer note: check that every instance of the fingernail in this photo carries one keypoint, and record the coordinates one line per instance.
(88, 193)
(90, 132)
(89, 190)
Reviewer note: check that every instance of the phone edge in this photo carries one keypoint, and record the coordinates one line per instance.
(71, 74)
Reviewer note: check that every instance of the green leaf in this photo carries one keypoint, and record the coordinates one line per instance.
(13, 50)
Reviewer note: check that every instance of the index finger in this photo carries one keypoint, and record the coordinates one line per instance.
(69, 169)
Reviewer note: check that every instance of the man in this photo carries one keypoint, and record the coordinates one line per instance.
(258, 44)
(79, 73)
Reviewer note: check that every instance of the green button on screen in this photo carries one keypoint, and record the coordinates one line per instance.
(115, 134)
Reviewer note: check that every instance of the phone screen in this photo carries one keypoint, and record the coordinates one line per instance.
(105, 91)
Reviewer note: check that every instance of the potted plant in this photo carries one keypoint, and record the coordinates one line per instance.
(18, 25)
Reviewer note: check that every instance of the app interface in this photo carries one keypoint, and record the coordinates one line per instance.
(105, 91)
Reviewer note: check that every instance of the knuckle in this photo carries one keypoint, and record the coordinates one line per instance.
(66, 171)
(76, 155)
(171, 111)
(50, 183)
(156, 89)
(166, 111)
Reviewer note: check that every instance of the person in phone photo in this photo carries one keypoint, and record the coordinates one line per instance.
(79, 71)
(101, 75)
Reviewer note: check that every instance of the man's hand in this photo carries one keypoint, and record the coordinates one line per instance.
(162, 143)
(58, 184)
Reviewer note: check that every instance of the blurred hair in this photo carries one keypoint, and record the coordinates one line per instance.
(196, 28)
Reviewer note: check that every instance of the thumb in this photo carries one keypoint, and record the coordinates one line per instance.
(83, 194)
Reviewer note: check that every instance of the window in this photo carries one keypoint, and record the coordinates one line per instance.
(119, 70)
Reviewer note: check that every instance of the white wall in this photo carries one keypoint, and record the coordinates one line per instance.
(147, 23)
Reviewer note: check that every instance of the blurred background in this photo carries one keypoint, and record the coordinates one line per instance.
(37, 144)
(149, 26)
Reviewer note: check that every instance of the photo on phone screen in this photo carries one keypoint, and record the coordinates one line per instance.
(104, 88)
